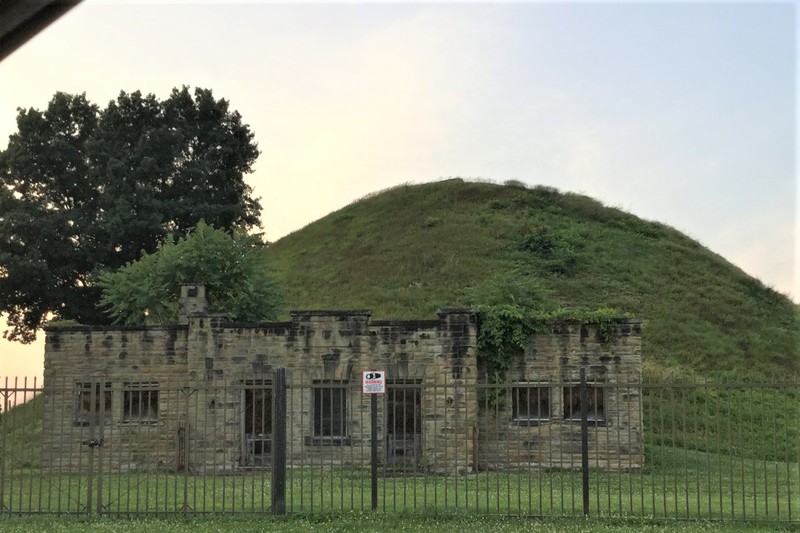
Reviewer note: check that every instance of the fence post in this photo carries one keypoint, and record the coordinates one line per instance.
(99, 446)
(4, 392)
(584, 393)
(278, 489)
(374, 448)
(95, 402)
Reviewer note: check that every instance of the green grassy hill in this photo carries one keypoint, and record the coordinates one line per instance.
(409, 250)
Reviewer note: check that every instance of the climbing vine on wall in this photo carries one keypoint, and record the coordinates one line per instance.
(515, 306)
(504, 333)
(506, 328)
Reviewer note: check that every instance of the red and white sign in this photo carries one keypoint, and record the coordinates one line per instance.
(373, 382)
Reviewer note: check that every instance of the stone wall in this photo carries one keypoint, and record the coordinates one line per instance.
(202, 368)
(195, 376)
(334, 347)
(549, 372)
(115, 356)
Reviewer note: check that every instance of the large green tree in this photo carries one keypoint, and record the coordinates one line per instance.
(84, 189)
(232, 266)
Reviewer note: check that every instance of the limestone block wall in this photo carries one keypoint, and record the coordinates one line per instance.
(548, 371)
(201, 370)
(332, 349)
(96, 380)
(86, 373)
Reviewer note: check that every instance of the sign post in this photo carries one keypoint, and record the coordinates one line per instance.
(373, 382)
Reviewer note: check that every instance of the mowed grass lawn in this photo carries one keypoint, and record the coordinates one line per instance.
(676, 484)
(364, 521)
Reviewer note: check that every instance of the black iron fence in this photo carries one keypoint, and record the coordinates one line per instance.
(280, 443)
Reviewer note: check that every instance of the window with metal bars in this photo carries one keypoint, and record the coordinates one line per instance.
(92, 403)
(530, 403)
(329, 418)
(140, 402)
(257, 421)
(403, 422)
(595, 408)
(403, 409)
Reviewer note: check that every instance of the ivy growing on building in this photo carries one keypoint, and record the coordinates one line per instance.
(506, 329)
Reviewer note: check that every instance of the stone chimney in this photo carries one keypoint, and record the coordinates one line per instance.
(193, 300)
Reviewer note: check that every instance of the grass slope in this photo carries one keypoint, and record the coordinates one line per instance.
(409, 250)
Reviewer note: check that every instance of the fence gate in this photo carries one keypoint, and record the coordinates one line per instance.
(149, 448)
(141, 451)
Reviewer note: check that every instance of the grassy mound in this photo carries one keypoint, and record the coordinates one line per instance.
(409, 250)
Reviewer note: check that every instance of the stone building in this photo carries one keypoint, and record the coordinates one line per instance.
(198, 395)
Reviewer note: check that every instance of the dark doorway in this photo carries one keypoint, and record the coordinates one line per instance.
(403, 423)
(256, 423)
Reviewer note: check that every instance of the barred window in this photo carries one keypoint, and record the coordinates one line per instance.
(92, 403)
(403, 422)
(595, 411)
(403, 408)
(330, 409)
(257, 422)
(530, 403)
(140, 402)
(257, 398)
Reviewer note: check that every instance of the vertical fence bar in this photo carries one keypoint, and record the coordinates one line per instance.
(181, 451)
(373, 452)
(99, 443)
(92, 424)
(584, 392)
(792, 457)
(4, 444)
(200, 454)
(709, 456)
(32, 414)
(49, 483)
(789, 469)
(290, 407)
(278, 488)
(11, 484)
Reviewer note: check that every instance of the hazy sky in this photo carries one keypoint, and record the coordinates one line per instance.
(684, 113)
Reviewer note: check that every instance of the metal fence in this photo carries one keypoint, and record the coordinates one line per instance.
(274, 445)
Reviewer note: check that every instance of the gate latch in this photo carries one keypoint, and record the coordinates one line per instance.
(93, 443)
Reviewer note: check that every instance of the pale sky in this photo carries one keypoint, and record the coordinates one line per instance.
(684, 113)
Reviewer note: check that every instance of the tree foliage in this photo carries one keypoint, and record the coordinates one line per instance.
(232, 266)
(84, 189)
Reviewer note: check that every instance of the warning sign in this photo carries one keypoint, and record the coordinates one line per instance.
(373, 382)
